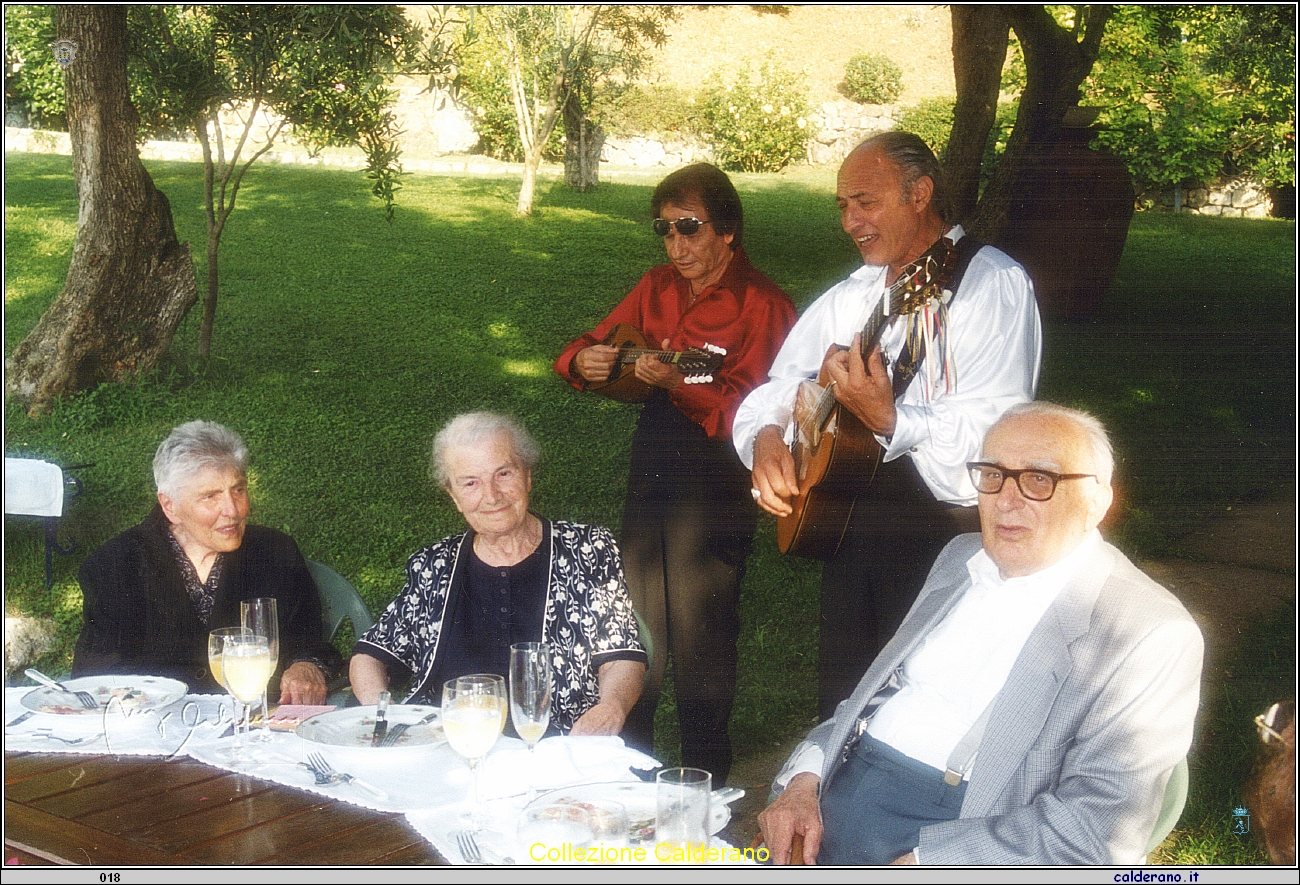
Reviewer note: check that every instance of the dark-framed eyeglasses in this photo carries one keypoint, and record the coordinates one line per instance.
(687, 226)
(1034, 484)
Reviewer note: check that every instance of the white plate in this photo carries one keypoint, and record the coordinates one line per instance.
(127, 694)
(640, 798)
(353, 727)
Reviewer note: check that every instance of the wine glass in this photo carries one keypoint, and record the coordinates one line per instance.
(261, 616)
(241, 662)
(473, 715)
(530, 695)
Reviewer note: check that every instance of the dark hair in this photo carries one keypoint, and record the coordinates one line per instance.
(915, 159)
(711, 186)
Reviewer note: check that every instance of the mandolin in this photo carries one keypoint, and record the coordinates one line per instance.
(697, 364)
(835, 455)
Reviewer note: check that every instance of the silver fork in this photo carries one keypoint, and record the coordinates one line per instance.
(325, 774)
(468, 847)
(43, 733)
(86, 699)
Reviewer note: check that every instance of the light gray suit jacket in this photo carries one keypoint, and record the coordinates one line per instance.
(1096, 712)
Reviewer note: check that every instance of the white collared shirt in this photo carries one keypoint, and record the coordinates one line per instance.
(995, 343)
(958, 668)
(961, 665)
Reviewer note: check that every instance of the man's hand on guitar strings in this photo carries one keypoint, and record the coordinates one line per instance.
(595, 363)
(774, 475)
(864, 388)
(650, 369)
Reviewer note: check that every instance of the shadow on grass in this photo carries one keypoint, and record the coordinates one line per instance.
(1262, 671)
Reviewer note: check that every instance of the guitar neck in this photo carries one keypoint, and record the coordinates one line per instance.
(919, 271)
(876, 323)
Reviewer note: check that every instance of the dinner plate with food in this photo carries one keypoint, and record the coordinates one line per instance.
(112, 693)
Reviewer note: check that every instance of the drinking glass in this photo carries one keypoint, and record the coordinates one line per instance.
(241, 662)
(530, 695)
(682, 810)
(262, 617)
(473, 715)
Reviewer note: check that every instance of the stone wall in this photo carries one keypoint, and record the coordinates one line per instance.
(1238, 197)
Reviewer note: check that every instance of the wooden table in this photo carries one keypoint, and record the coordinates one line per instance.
(120, 810)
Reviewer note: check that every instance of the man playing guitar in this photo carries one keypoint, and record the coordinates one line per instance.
(962, 364)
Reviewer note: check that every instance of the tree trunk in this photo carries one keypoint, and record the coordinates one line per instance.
(583, 142)
(979, 49)
(1056, 61)
(532, 162)
(130, 282)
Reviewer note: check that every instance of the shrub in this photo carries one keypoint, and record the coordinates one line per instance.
(756, 125)
(642, 110)
(872, 79)
(33, 80)
(931, 119)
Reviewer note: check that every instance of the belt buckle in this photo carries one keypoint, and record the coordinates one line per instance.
(852, 743)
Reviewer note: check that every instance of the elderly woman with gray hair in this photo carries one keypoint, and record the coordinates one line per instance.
(152, 594)
(513, 577)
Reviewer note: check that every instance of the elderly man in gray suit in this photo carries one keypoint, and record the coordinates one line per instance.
(1033, 704)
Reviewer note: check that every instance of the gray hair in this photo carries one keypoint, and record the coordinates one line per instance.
(1103, 453)
(476, 428)
(915, 160)
(193, 447)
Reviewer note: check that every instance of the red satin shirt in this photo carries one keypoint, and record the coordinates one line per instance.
(745, 314)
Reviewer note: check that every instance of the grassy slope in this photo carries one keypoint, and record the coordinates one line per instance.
(343, 342)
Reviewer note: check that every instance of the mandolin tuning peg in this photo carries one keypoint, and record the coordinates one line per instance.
(720, 351)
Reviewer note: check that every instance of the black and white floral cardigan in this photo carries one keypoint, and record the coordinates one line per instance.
(588, 617)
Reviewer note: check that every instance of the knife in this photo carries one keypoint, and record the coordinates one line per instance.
(381, 720)
(21, 719)
(399, 730)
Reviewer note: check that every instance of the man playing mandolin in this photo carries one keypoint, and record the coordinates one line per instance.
(689, 520)
(959, 345)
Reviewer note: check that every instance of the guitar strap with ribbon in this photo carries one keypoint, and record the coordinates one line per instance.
(914, 350)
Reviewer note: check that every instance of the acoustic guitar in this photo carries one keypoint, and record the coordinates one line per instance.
(835, 455)
(696, 363)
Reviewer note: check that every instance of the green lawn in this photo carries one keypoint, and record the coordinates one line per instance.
(343, 342)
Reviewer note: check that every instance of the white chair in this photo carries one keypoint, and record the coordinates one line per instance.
(36, 488)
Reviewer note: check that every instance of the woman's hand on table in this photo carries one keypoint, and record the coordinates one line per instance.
(620, 686)
(303, 683)
(602, 719)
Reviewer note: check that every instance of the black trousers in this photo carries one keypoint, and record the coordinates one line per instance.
(688, 527)
(894, 536)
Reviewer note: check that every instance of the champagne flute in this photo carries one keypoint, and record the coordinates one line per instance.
(473, 715)
(262, 617)
(530, 696)
(241, 662)
(246, 666)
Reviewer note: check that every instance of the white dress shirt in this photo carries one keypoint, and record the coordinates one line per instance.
(956, 671)
(995, 344)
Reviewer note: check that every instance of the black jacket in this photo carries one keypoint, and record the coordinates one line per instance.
(140, 620)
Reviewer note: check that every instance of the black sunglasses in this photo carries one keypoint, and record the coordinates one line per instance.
(687, 226)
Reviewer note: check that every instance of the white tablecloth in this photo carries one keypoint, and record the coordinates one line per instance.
(430, 785)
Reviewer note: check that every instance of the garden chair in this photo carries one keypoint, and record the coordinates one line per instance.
(339, 600)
